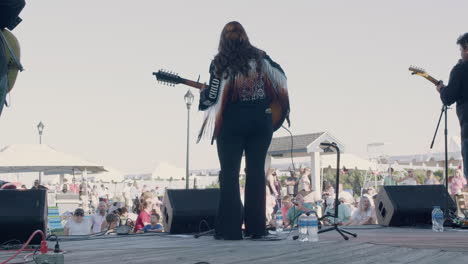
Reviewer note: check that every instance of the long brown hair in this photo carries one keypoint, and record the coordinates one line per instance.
(235, 52)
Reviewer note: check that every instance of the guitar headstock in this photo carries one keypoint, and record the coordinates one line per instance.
(418, 71)
(168, 78)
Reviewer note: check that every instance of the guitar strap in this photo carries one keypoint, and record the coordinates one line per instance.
(210, 97)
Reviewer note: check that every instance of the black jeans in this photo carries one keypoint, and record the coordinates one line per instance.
(245, 127)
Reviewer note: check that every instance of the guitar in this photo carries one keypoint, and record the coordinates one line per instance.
(13, 53)
(171, 79)
(421, 72)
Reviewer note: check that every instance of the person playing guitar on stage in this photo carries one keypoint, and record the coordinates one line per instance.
(457, 91)
(245, 85)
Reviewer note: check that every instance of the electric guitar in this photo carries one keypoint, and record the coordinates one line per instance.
(171, 79)
(421, 72)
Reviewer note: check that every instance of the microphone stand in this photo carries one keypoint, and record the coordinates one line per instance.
(337, 201)
(443, 112)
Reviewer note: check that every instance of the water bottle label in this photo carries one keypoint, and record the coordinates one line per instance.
(438, 216)
(313, 223)
(302, 223)
(279, 217)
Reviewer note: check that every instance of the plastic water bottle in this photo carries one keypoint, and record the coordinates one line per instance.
(319, 208)
(437, 219)
(303, 226)
(312, 228)
(279, 222)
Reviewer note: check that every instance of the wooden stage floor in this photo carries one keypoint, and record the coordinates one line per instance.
(374, 244)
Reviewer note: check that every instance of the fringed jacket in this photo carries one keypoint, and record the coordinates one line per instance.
(270, 83)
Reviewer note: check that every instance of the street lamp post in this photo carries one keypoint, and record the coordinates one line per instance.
(188, 101)
(40, 129)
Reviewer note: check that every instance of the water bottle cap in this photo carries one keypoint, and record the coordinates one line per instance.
(436, 207)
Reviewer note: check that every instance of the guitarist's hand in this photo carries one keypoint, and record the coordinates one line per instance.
(440, 86)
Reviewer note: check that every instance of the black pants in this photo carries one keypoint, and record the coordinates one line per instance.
(245, 128)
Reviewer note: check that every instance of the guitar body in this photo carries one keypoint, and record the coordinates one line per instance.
(12, 67)
(277, 114)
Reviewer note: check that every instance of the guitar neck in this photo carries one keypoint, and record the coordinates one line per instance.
(193, 84)
(432, 79)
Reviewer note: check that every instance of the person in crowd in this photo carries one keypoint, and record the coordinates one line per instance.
(99, 217)
(107, 194)
(35, 185)
(286, 204)
(389, 179)
(124, 216)
(65, 188)
(328, 191)
(277, 184)
(304, 183)
(271, 182)
(295, 211)
(111, 222)
(83, 194)
(153, 226)
(409, 180)
(344, 209)
(73, 187)
(135, 191)
(127, 195)
(158, 191)
(77, 225)
(102, 193)
(144, 218)
(94, 195)
(430, 178)
(270, 203)
(273, 190)
(364, 214)
(292, 186)
(115, 206)
(370, 191)
(457, 183)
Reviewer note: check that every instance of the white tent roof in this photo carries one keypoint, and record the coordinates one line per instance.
(42, 158)
(350, 161)
(166, 171)
(109, 175)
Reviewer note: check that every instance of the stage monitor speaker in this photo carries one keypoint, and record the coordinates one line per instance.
(21, 213)
(184, 210)
(410, 205)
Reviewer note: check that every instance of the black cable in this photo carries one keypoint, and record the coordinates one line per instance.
(9, 245)
(206, 223)
(292, 147)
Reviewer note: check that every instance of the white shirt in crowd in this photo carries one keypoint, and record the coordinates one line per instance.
(127, 192)
(408, 182)
(359, 216)
(75, 228)
(97, 220)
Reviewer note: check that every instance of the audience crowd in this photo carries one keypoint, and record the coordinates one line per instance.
(139, 209)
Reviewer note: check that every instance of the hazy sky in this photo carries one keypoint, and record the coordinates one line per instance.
(89, 66)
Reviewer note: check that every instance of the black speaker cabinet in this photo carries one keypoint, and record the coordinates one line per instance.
(184, 210)
(21, 213)
(410, 205)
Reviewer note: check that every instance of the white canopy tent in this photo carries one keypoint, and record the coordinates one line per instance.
(165, 170)
(110, 175)
(347, 160)
(24, 158)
